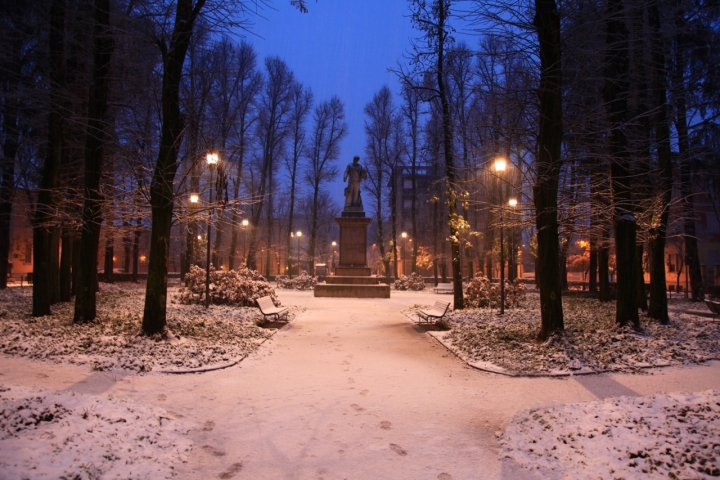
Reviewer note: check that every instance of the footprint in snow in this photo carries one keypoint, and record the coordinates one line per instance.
(444, 476)
(231, 472)
(213, 451)
(351, 380)
(162, 397)
(209, 425)
(398, 449)
(385, 425)
(357, 407)
(364, 392)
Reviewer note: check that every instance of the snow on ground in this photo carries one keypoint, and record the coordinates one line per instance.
(591, 341)
(199, 337)
(353, 385)
(63, 435)
(658, 436)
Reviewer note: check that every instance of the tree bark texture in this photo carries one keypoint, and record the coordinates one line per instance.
(42, 228)
(615, 93)
(549, 162)
(657, 235)
(85, 300)
(161, 187)
(11, 86)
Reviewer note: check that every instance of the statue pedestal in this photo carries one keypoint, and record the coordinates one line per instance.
(352, 274)
(353, 247)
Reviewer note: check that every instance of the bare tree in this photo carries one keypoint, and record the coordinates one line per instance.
(432, 19)
(249, 83)
(302, 99)
(85, 303)
(328, 130)
(272, 130)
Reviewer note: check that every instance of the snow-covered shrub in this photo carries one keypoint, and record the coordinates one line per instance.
(283, 281)
(305, 281)
(239, 287)
(413, 282)
(482, 293)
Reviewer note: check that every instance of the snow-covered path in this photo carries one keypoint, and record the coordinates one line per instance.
(351, 389)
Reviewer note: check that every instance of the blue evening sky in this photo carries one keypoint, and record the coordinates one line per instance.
(340, 47)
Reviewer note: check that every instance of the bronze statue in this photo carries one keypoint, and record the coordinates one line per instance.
(354, 174)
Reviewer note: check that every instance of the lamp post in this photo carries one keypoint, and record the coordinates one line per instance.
(212, 161)
(500, 165)
(298, 234)
(512, 203)
(402, 253)
(192, 228)
(332, 263)
(245, 223)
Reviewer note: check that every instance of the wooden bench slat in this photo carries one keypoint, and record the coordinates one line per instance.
(437, 312)
(268, 308)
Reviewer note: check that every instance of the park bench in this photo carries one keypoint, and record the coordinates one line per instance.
(436, 313)
(443, 288)
(268, 309)
(713, 306)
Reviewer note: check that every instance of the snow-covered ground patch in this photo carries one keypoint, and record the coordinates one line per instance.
(198, 337)
(591, 341)
(64, 435)
(659, 436)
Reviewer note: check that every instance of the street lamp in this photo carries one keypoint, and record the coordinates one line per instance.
(298, 234)
(212, 161)
(512, 203)
(192, 228)
(245, 223)
(500, 166)
(332, 264)
(402, 256)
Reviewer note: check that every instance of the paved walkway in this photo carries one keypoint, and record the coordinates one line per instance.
(351, 389)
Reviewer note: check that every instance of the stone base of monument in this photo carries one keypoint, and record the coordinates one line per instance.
(345, 271)
(336, 280)
(352, 290)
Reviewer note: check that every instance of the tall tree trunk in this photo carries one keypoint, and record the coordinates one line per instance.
(66, 266)
(85, 300)
(658, 308)
(161, 187)
(549, 162)
(54, 266)
(615, 93)
(136, 251)
(450, 173)
(42, 280)
(10, 148)
(692, 259)
(109, 263)
(76, 259)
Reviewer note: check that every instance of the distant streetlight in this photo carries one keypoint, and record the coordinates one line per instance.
(500, 166)
(298, 234)
(332, 264)
(512, 203)
(245, 223)
(402, 253)
(194, 198)
(212, 161)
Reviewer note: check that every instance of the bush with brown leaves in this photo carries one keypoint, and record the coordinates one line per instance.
(482, 293)
(414, 282)
(239, 287)
(305, 281)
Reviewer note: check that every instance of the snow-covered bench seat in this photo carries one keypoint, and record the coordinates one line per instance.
(268, 309)
(443, 288)
(436, 313)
